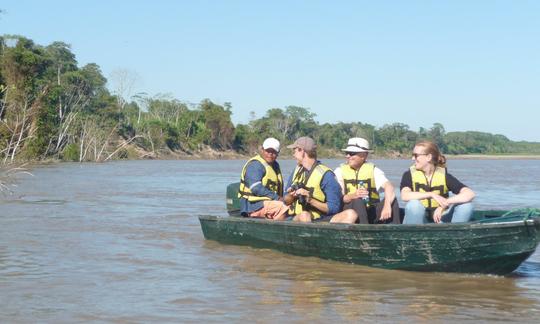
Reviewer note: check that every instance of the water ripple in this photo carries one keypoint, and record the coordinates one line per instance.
(121, 242)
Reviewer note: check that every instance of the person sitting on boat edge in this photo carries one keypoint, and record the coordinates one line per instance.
(261, 184)
(361, 182)
(426, 186)
(314, 188)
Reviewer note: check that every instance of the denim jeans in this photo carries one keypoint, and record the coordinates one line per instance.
(415, 213)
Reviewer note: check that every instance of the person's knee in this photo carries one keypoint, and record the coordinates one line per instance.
(462, 213)
(351, 215)
(465, 207)
(303, 217)
(347, 216)
(414, 212)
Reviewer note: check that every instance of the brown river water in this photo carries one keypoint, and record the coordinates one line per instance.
(121, 242)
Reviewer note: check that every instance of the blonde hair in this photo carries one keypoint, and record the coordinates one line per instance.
(431, 148)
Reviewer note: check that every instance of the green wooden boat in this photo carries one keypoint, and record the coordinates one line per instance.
(495, 242)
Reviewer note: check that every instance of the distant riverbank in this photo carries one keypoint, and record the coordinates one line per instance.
(208, 153)
(211, 154)
(494, 157)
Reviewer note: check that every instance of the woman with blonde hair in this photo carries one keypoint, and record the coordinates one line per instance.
(426, 187)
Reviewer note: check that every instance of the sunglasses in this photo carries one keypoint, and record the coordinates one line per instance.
(271, 152)
(352, 153)
(416, 155)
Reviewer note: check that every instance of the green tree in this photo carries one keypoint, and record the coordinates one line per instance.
(477, 143)
(336, 135)
(436, 134)
(217, 120)
(395, 137)
(22, 66)
(301, 122)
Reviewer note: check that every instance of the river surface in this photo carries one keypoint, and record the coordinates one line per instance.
(121, 242)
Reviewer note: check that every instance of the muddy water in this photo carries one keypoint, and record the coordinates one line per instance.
(120, 242)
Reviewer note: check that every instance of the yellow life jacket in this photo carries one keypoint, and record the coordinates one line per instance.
(272, 180)
(437, 185)
(365, 176)
(311, 182)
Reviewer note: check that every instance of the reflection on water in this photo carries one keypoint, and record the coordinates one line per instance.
(319, 289)
(121, 242)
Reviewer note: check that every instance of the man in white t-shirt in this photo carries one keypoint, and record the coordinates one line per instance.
(361, 182)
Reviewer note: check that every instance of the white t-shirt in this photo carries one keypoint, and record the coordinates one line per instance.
(380, 179)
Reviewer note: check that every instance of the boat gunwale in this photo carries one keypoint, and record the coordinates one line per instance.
(378, 227)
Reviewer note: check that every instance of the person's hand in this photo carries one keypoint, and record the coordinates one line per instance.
(303, 192)
(361, 193)
(288, 199)
(437, 214)
(443, 202)
(386, 213)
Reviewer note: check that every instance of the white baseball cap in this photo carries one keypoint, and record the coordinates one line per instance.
(271, 143)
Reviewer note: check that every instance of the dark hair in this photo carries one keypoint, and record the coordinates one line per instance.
(431, 148)
(312, 154)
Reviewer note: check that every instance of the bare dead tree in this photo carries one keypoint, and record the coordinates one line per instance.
(142, 99)
(120, 146)
(91, 139)
(148, 136)
(85, 139)
(123, 82)
(75, 99)
(19, 127)
(95, 140)
(19, 121)
(4, 91)
(105, 144)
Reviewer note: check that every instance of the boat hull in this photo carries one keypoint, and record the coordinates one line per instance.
(492, 247)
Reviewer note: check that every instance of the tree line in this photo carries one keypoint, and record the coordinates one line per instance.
(51, 108)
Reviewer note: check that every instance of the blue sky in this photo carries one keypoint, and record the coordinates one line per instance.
(470, 65)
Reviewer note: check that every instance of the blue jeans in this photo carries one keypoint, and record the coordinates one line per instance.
(415, 213)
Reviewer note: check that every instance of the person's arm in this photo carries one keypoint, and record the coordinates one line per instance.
(465, 195)
(383, 184)
(389, 196)
(339, 179)
(407, 193)
(462, 193)
(406, 189)
(332, 191)
(319, 205)
(255, 171)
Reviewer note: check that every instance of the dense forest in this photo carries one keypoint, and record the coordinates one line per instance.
(52, 108)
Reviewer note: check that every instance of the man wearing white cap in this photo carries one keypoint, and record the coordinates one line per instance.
(261, 184)
(361, 182)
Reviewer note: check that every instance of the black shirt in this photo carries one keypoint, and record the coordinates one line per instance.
(453, 184)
